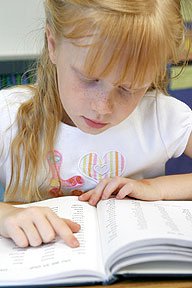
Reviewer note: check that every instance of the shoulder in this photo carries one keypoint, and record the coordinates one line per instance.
(163, 103)
(170, 118)
(167, 110)
(14, 96)
(10, 101)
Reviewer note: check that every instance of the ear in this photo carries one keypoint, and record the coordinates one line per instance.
(51, 44)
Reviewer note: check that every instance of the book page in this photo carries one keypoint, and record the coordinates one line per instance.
(56, 257)
(135, 223)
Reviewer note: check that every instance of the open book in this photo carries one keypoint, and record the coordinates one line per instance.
(119, 237)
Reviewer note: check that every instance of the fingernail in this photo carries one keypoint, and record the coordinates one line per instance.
(75, 243)
(92, 202)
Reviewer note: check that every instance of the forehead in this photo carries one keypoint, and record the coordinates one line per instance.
(86, 58)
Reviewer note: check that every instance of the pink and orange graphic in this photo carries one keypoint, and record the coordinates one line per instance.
(56, 182)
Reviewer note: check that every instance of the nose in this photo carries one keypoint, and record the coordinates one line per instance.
(102, 103)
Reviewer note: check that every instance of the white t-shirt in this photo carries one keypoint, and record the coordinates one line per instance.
(157, 130)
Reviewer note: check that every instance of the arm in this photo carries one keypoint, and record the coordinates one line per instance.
(188, 150)
(35, 225)
(173, 187)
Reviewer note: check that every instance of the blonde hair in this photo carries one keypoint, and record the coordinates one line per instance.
(149, 33)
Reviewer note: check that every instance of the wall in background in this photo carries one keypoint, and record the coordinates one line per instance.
(20, 28)
(21, 38)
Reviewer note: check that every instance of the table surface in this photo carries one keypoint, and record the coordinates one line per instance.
(146, 284)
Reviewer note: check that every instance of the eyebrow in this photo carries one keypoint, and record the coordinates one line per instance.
(77, 70)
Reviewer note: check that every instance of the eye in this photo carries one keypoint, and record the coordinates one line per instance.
(84, 78)
(89, 80)
(125, 90)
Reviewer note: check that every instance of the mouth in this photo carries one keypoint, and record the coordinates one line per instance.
(94, 123)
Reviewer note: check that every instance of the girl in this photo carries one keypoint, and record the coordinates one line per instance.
(97, 120)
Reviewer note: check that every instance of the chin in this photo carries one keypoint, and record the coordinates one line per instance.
(92, 131)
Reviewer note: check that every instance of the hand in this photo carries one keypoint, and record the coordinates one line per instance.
(33, 226)
(144, 189)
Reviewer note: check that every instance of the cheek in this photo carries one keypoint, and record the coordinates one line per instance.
(79, 94)
(74, 98)
(124, 111)
(125, 108)
(67, 88)
(82, 94)
(76, 88)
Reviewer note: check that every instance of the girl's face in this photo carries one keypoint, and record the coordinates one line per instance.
(91, 104)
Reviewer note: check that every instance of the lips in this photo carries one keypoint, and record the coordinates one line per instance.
(94, 124)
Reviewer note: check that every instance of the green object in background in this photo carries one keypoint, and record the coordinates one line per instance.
(18, 79)
(7, 80)
(184, 78)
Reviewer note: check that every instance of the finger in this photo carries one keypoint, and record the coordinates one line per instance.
(32, 233)
(75, 227)
(86, 196)
(126, 190)
(98, 191)
(18, 236)
(92, 196)
(35, 225)
(63, 230)
(114, 186)
(39, 231)
(11, 229)
(136, 189)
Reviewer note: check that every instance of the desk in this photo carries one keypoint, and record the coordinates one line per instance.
(145, 284)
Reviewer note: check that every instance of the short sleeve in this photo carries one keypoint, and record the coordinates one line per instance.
(5, 127)
(10, 101)
(175, 124)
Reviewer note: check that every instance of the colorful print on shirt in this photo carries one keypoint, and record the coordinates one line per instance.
(59, 185)
(97, 168)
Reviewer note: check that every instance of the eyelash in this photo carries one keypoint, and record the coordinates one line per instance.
(124, 89)
(95, 81)
(90, 81)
